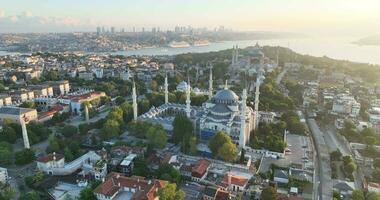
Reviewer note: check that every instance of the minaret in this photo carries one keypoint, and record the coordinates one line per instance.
(188, 101)
(237, 54)
(233, 55)
(242, 137)
(210, 84)
(87, 117)
(257, 101)
(226, 85)
(134, 103)
(24, 133)
(166, 90)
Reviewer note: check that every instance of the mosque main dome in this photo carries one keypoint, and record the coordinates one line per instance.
(225, 96)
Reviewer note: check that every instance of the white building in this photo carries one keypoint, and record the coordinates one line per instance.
(182, 86)
(346, 105)
(3, 175)
(53, 160)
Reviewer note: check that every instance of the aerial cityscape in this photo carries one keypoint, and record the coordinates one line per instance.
(189, 100)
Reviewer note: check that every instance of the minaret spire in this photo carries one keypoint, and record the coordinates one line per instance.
(233, 55)
(134, 103)
(86, 114)
(237, 54)
(210, 84)
(226, 85)
(166, 90)
(188, 101)
(24, 133)
(257, 94)
(242, 137)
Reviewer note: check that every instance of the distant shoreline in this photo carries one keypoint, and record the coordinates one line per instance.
(373, 40)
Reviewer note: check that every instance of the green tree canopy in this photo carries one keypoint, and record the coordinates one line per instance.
(156, 136)
(110, 129)
(357, 195)
(24, 156)
(170, 192)
(227, 152)
(182, 132)
(87, 194)
(69, 130)
(269, 193)
(217, 141)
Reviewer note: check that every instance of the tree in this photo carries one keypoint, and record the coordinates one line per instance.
(53, 145)
(376, 175)
(5, 153)
(376, 163)
(8, 134)
(169, 173)
(111, 129)
(153, 85)
(116, 113)
(69, 130)
(373, 196)
(51, 75)
(193, 146)
(350, 167)
(336, 155)
(27, 104)
(227, 152)
(156, 136)
(357, 195)
(87, 194)
(24, 156)
(7, 193)
(217, 141)
(269, 193)
(140, 167)
(119, 100)
(127, 111)
(170, 192)
(242, 156)
(68, 154)
(32, 195)
(181, 126)
(182, 132)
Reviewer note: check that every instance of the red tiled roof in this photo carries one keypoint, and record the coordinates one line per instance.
(222, 195)
(200, 168)
(235, 180)
(50, 157)
(115, 181)
(52, 111)
(86, 96)
(374, 185)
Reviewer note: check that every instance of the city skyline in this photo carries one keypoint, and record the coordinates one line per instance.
(325, 18)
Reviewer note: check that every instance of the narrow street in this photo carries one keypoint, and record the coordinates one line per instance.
(344, 149)
(323, 162)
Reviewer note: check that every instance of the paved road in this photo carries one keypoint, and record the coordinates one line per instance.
(323, 162)
(343, 148)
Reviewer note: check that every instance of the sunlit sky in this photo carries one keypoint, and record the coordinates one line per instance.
(324, 17)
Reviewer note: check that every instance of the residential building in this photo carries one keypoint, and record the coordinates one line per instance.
(15, 114)
(117, 186)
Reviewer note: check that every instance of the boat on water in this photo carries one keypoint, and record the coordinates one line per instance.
(200, 43)
(181, 44)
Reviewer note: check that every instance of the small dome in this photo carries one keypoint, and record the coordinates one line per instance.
(226, 95)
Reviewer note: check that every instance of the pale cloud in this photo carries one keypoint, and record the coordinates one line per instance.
(27, 22)
(2, 13)
(27, 13)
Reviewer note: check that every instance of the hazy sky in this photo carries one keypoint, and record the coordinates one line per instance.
(345, 17)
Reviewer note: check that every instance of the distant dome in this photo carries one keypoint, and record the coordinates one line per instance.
(225, 96)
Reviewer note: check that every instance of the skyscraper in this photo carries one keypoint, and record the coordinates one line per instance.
(112, 29)
(98, 30)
